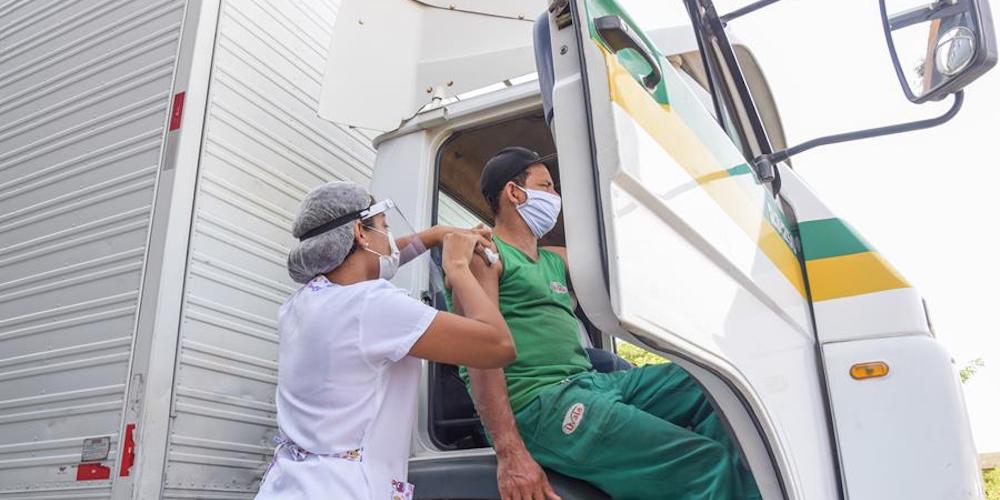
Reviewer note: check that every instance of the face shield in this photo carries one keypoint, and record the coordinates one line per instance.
(395, 222)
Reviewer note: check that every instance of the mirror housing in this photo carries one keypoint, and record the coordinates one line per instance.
(959, 46)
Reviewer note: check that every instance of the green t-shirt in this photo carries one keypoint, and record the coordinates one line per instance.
(535, 302)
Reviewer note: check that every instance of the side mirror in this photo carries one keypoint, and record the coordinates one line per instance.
(938, 48)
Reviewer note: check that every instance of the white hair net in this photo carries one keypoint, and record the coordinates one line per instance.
(324, 252)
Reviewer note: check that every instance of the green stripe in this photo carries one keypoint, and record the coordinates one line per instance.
(741, 169)
(829, 238)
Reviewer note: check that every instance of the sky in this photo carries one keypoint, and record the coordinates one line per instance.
(927, 200)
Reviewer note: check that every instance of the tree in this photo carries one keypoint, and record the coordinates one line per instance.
(970, 369)
(637, 355)
(991, 481)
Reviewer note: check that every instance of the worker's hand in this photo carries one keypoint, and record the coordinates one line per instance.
(519, 477)
(481, 230)
(460, 247)
(486, 240)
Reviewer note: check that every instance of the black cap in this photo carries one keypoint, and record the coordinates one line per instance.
(505, 165)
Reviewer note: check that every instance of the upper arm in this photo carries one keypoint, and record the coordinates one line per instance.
(488, 277)
(458, 340)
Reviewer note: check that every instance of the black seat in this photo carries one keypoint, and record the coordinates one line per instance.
(475, 478)
(455, 424)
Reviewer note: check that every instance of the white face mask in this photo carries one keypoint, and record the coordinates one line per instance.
(540, 210)
(387, 264)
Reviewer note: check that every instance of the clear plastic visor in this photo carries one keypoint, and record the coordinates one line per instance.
(394, 220)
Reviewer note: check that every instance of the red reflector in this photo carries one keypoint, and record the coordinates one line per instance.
(90, 472)
(128, 450)
(178, 109)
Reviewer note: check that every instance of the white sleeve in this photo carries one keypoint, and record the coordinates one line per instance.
(391, 322)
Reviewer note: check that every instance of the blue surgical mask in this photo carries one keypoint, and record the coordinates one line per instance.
(540, 210)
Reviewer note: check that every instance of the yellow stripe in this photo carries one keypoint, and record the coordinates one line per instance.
(670, 131)
(849, 275)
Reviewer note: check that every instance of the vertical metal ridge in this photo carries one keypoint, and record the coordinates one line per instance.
(63, 366)
(89, 393)
(257, 64)
(310, 131)
(281, 289)
(62, 412)
(77, 281)
(206, 218)
(301, 159)
(90, 67)
(83, 306)
(87, 97)
(217, 308)
(314, 16)
(66, 351)
(255, 30)
(72, 269)
(227, 153)
(72, 23)
(83, 319)
(153, 104)
(33, 17)
(10, 6)
(62, 26)
(117, 221)
(92, 194)
(286, 22)
(96, 159)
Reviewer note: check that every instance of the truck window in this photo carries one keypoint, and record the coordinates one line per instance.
(451, 212)
(452, 420)
(692, 71)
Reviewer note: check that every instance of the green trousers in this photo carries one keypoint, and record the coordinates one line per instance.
(646, 433)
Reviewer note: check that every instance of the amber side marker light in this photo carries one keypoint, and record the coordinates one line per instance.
(874, 369)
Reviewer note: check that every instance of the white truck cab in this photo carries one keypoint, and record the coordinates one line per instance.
(818, 354)
(153, 155)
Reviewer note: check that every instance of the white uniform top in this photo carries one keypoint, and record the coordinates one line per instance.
(346, 383)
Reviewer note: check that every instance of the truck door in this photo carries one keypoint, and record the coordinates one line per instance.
(674, 241)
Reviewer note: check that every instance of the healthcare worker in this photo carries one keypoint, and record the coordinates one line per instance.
(349, 343)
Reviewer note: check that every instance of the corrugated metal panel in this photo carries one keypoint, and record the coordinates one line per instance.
(84, 89)
(264, 149)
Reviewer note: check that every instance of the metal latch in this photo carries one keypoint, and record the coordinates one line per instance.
(764, 168)
(560, 12)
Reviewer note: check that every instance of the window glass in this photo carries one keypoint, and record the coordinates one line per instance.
(453, 213)
(652, 15)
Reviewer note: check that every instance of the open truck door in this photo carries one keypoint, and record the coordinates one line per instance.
(676, 243)
(787, 317)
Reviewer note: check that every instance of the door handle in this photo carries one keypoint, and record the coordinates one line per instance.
(619, 37)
